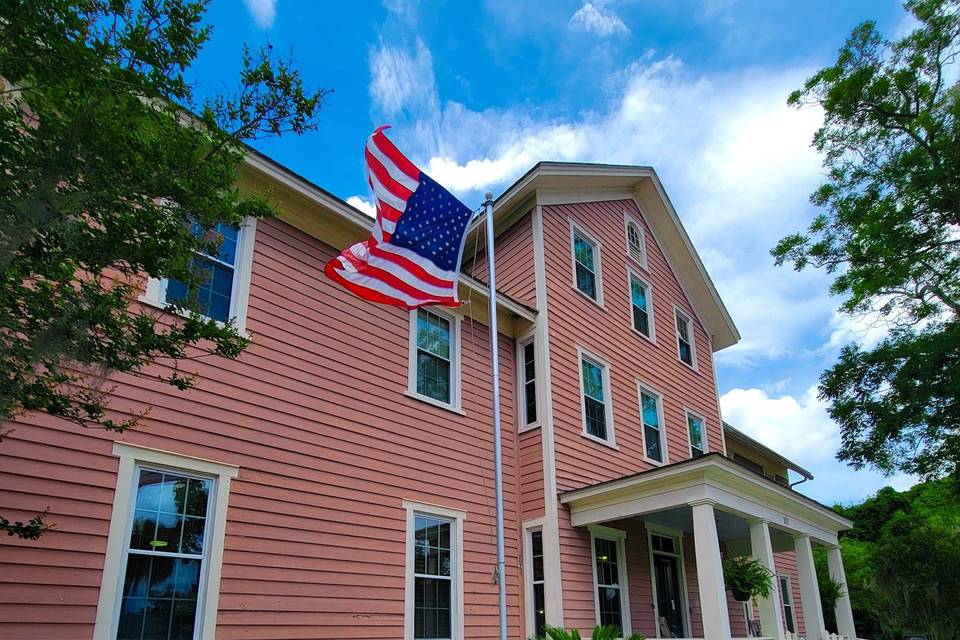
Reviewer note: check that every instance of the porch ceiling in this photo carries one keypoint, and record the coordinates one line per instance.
(658, 493)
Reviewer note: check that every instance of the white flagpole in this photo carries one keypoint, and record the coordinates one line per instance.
(497, 455)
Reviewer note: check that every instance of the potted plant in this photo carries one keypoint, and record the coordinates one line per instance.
(747, 578)
(606, 632)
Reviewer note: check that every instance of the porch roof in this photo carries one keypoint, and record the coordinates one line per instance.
(712, 477)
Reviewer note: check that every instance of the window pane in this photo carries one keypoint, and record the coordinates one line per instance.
(431, 614)
(696, 433)
(592, 380)
(685, 353)
(634, 241)
(649, 406)
(609, 600)
(159, 597)
(586, 281)
(638, 294)
(536, 552)
(583, 252)
(539, 611)
(652, 440)
(596, 418)
(682, 328)
(529, 372)
(433, 334)
(433, 376)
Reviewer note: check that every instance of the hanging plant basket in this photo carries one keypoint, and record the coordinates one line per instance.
(747, 578)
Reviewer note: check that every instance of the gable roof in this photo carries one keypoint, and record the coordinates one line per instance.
(643, 184)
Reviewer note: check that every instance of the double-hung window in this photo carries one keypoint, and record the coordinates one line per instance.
(651, 415)
(685, 340)
(161, 575)
(165, 556)
(595, 396)
(434, 366)
(224, 277)
(698, 435)
(786, 597)
(434, 600)
(586, 265)
(536, 584)
(641, 306)
(610, 578)
(527, 374)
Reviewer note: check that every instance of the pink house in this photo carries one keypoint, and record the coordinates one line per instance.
(336, 481)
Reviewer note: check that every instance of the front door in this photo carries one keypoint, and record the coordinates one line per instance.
(669, 597)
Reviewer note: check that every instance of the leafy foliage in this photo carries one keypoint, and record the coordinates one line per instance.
(902, 562)
(606, 632)
(747, 576)
(890, 235)
(106, 180)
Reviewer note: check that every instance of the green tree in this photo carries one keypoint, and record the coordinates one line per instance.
(112, 171)
(890, 235)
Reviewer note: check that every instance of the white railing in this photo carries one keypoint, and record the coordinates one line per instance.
(824, 636)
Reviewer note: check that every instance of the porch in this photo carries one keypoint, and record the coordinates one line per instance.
(658, 537)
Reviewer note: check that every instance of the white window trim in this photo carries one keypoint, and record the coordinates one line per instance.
(455, 364)
(629, 219)
(643, 387)
(691, 331)
(521, 388)
(156, 292)
(111, 589)
(687, 412)
(611, 440)
(631, 275)
(783, 603)
(530, 527)
(457, 517)
(576, 229)
(619, 537)
(652, 529)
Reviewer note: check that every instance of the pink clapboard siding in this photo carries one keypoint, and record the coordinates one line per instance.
(577, 321)
(514, 254)
(328, 445)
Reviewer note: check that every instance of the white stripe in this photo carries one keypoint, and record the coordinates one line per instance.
(388, 225)
(411, 279)
(395, 172)
(428, 266)
(382, 287)
(382, 194)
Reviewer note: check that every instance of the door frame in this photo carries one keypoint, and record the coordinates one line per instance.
(677, 535)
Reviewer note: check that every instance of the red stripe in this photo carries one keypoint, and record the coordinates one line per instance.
(376, 296)
(386, 147)
(410, 266)
(388, 212)
(393, 280)
(383, 176)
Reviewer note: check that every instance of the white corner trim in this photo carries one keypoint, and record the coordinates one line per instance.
(455, 361)
(552, 575)
(457, 517)
(604, 364)
(578, 229)
(121, 517)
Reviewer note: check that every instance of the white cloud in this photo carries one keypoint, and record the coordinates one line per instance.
(800, 429)
(599, 20)
(363, 204)
(263, 12)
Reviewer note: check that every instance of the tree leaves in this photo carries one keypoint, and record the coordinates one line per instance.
(890, 235)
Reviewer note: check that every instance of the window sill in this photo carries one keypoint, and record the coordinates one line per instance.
(436, 403)
(599, 302)
(162, 306)
(529, 427)
(651, 339)
(692, 367)
(607, 443)
(653, 462)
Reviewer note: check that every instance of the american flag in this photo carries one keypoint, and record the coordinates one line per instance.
(412, 257)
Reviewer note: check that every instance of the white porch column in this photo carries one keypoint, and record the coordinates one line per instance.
(713, 593)
(809, 589)
(844, 610)
(771, 622)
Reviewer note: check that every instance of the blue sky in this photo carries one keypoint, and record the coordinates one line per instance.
(478, 92)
